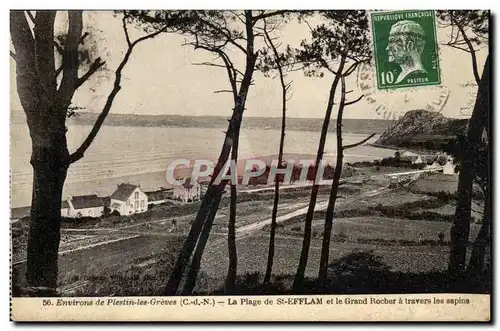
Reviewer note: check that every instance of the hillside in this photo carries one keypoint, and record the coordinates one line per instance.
(422, 129)
(365, 126)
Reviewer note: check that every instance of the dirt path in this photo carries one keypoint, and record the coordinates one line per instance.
(247, 230)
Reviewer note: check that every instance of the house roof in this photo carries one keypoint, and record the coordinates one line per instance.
(86, 201)
(158, 195)
(123, 192)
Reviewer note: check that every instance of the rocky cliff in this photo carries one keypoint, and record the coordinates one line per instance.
(422, 129)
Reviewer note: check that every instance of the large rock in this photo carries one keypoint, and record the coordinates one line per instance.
(422, 129)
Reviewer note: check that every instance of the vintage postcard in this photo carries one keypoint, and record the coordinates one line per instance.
(251, 165)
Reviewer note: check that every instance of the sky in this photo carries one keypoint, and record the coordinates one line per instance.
(160, 79)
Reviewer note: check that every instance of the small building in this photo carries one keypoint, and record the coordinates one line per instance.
(187, 190)
(64, 208)
(84, 206)
(159, 196)
(449, 168)
(128, 199)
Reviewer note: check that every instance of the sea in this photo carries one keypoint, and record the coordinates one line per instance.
(140, 155)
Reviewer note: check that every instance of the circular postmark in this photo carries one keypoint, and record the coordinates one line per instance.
(393, 104)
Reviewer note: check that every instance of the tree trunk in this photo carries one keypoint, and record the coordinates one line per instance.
(231, 233)
(476, 261)
(190, 282)
(327, 231)
(272, 234)
(194, 233)
(461, 225)
(49, 162)
(197, 228)
(213, 190)
(304, 254)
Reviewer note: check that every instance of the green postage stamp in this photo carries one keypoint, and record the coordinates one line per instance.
(406, 51)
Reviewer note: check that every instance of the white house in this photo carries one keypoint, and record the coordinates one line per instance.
(187, 190)
(83, 206)
(128, 199)
(64, 208)
(449, 168)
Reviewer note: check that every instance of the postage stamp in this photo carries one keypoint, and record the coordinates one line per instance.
(406, 51)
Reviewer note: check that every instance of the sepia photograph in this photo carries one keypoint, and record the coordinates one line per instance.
(257, 159)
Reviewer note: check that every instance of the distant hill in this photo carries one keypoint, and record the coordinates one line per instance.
(270, 123)
(422, 129)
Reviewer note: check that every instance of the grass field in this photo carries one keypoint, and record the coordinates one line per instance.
(373, 227)
(449, 209)
(252, 256)
(435, 182)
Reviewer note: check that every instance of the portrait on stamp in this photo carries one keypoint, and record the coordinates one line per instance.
(405, 49)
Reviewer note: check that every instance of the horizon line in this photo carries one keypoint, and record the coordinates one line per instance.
(226, 116)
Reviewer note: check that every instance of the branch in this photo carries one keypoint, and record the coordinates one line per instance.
(353, 67)
(210, 64)
(326, 66)
(354, 101)
(70, 60)
(358, 143)
(471, 50)
(226, 33)
(460, 48)
(93, 68)
(30, 15)
(151, 35)
(79, 153)
(231, 73)
(12, 55)
(223, 91)
(236, 15)
(269, 14)
(59, 70)
(125, 30)
(284, 86)
(476, 211)
(44, 50)
(24, 47)
(59, 48)
(82, 39)
(231, 70)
